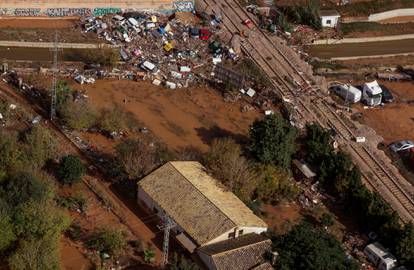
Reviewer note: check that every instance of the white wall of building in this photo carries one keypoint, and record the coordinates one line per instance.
(330, 21)
(145, 200)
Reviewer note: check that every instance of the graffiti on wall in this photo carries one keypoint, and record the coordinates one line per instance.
(3, 11)
(104, 11)
(61, 12)
(183, 6)
(27, 12)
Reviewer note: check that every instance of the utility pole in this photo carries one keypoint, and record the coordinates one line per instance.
(55, 71)
(168, 224)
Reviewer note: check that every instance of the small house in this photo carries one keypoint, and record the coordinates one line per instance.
(204, 212)
(329, 18)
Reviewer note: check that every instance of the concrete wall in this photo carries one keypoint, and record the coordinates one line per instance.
(330, 21)
(59, 8)
(391, 14)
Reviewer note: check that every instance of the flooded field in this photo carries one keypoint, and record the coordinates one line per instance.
(39, 54)
(362, 49)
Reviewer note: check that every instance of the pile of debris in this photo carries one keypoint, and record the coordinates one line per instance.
(163, 49)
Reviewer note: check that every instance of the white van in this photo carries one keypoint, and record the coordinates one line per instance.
(348, 93)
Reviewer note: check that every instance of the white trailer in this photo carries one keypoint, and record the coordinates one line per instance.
(380, 257)
(348, 93)
(372, 93)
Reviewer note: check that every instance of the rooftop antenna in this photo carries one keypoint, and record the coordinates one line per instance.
(55, 49)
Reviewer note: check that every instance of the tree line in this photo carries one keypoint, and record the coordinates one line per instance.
(340, 177)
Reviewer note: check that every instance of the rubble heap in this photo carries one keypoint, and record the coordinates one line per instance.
(163, 49)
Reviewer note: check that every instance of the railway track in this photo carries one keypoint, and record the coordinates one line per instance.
(269, 55)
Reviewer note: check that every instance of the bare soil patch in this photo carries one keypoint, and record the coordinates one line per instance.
(282, 217)
(37, 23)
(181, 118)
(394, 121)
(72, 258)
(27, 29)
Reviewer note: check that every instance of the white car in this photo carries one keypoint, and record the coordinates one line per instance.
(401, 146)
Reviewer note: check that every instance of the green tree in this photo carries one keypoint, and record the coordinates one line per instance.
(225, 161)
(33, 219)
(64, 95)
(36, 254)
(273, 140)
(276, 185)
(180, 262)
(79, 115)
(309, 248)
(40, 146)
(7, 235)
(23, 187)
(11, 155)
(318, 144)
(405, 246)
(111, 241)
(70, 169)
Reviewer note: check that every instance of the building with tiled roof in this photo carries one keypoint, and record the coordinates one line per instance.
(203, 211)
(247, 252)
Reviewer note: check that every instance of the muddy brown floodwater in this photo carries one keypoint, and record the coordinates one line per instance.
(39, 54)
(362, 49)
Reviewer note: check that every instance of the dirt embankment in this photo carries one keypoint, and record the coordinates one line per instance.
(181, 118)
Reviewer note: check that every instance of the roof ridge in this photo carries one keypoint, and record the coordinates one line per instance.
(171, 162)
(241, 247)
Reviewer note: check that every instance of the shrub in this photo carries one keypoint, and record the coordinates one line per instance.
(36, 254)
(40, 146)
(226, 163)
(110, 241)
(149, 255)
(24, 187)
(11, 155)
(327, 219)
(79, 115)
(70, 169)
(138, 156)
(306, 14)
(275, 185)
(7, 235)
